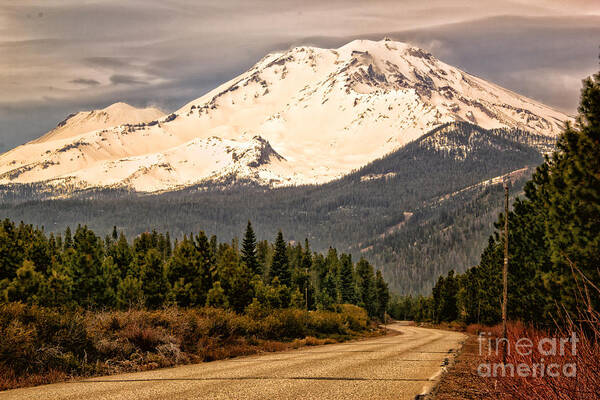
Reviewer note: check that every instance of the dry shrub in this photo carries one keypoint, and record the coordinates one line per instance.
(93, 343)
(355, 317)
(10, 380)
(272, 346)
(586, 384)
(35, 340)
(586, 357)
(476, 329)
(326, 323)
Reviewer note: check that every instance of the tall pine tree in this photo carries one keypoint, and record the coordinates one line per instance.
(249, 251)
(280, 267)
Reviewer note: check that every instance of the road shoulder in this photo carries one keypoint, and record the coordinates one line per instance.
(460, 380)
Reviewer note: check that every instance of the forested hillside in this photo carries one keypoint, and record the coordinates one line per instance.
(553, 242)
(418, 212)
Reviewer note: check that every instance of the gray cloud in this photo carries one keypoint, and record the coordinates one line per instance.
(83, 81)
(106, 62)
(167, 52)
(126, 80)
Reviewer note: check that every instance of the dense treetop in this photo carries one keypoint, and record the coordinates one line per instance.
(80, 269)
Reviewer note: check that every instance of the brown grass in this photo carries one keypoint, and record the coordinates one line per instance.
(584, 386)
(585, 355)
(68, 344)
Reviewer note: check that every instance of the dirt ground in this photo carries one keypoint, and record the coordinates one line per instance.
(461, 381)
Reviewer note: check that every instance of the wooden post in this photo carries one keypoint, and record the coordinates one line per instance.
(306, 289)
(505, 276)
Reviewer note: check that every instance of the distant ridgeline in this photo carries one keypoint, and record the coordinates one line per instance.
(81, 269)
(419, 212)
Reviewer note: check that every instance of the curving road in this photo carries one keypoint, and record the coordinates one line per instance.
(391, 367)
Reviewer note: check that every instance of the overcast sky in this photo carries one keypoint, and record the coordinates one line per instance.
(62, 56)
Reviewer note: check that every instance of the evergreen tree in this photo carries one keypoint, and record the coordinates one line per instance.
(297, 299)
(280, 266)
(268, 297)
(249, 251)
(183, 274)
(573, 222)
(448, 307)
(366, 286)
(152, 276)
(383, 294)
(307, 284)
(346, 280)
(122, 255)
(68, 242)
(235, 279)
(55, 290)
(129, 292)
(436, 297)
(216, 296)
(26, 285)
(85, 267)
(328, 295)
(205, 265)
(11, 252)
(111, 277)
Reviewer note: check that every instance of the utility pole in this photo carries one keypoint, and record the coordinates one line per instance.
(306, 289)
(505, 275)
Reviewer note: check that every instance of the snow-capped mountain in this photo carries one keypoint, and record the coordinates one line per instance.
(307, 115)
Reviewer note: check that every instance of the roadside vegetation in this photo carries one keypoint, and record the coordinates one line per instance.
(79, 305)
(43, 345)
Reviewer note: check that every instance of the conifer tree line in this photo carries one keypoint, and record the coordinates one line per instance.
(554, 240)
(81, 269)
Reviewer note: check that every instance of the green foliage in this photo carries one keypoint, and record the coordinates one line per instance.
(184, 275)
(129, 293)
(249, 255)
(26, 284)
(366, 287)
(216, 296)
(280, 266)
(346, 280)
(573, 196)
(235, 278)
(152, 275)
(382, 294)
(83, 271)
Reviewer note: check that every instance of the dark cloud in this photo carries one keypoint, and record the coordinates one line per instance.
(126, 80)
(83, 81)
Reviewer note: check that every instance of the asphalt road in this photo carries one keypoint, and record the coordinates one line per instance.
(390, 367)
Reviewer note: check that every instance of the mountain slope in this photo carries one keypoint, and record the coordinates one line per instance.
(326, 112)
(417, 212)
(87, 121)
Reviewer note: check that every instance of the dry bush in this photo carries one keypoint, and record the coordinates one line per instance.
(356, 318)
(93, 343)
(476, 329)
(586, 357)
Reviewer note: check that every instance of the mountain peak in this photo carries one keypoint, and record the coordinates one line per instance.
(326, 112)
(85, 121)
